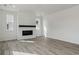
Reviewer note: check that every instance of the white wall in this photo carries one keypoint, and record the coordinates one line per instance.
(6, 34)
(63, 25)
(39, 26)
(26, 18)
(1, 30)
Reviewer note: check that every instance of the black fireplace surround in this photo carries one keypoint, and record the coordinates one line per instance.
(27, 32)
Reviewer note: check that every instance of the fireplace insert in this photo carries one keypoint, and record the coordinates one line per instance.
(27, 32)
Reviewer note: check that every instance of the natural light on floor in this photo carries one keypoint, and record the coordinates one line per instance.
(22, 53)
(27, 41)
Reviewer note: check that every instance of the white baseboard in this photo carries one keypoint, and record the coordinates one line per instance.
(70, 41)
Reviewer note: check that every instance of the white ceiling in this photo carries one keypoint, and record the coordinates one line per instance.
(45, 8)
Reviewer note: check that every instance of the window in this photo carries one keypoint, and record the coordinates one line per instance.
(10, 22)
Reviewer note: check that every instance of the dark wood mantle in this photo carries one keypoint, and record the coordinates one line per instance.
(27, 25)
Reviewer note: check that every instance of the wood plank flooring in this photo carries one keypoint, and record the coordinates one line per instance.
(38, 46)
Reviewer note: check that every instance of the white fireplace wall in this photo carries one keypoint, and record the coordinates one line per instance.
(26, 18)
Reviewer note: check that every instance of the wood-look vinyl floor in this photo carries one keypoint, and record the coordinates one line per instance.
(38, 46)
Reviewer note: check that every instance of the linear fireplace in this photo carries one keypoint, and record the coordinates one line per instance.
(27, 32)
